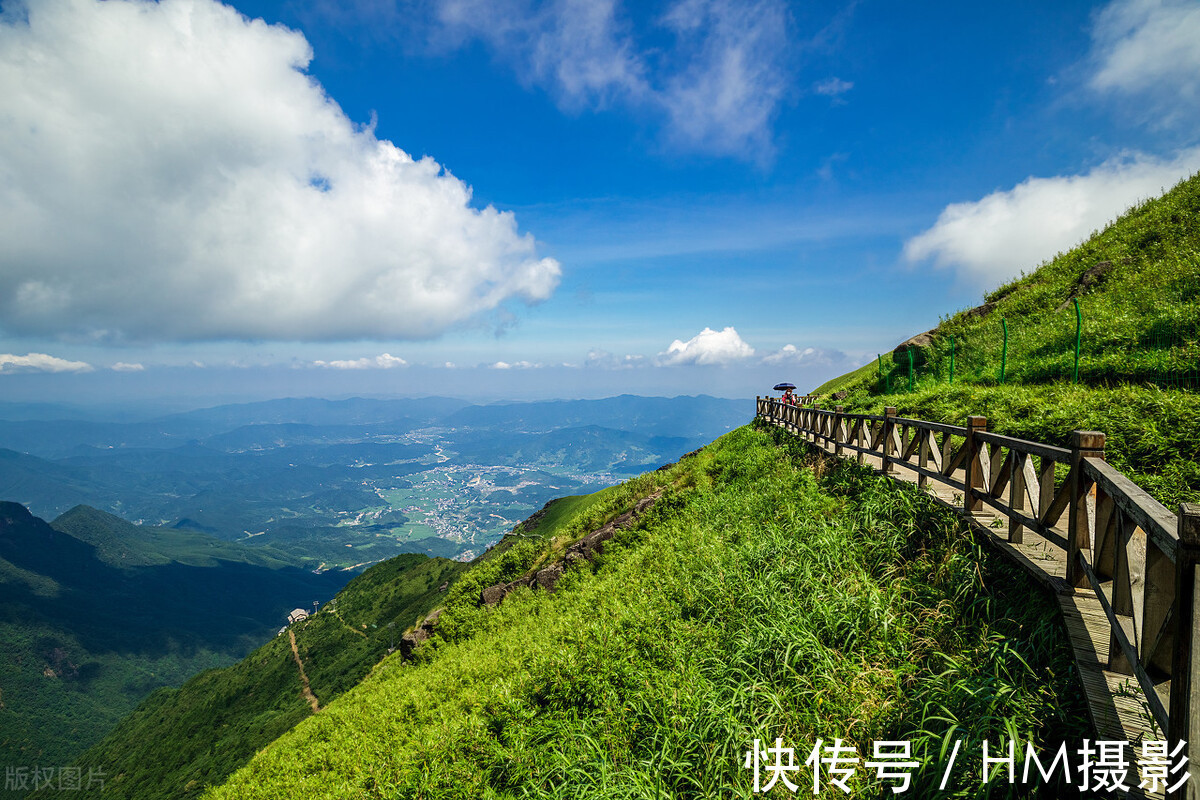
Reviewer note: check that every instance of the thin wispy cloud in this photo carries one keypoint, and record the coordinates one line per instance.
(40, 362)
(790, 355)
(124, 366)
(513, 365)
(833, 87)
(250, 206)
(385, 361)
(603, 359)
(1149, 50)
(718, 85)
(991, 240)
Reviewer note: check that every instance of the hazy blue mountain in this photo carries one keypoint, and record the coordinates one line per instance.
(665, 416)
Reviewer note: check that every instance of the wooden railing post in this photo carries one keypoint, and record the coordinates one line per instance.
(815, 426)
(1016, 495)
(889, 446)
(1084, 444)
(837, 429)
(1184, 714)
(972, 466)
(923, 456)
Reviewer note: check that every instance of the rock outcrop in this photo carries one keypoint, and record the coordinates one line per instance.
(545, 577)
(586, 549)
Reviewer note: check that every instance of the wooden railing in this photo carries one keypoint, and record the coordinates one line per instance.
(1138, 557)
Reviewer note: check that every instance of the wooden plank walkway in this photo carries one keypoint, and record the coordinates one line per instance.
(1112, 698)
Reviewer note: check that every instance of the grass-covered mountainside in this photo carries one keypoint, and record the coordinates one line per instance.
(767, 593)
(1138, 287)
(180, 741)
(96, 613)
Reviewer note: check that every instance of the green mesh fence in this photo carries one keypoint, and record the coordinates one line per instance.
(1068, 344)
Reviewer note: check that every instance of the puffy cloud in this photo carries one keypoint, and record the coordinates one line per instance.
(122, 366)
(719, 83)
(706, 348)
(40, 362)
(513, 365)
(169, 171)
(385, 361)
(992, 239)
(1148, 48)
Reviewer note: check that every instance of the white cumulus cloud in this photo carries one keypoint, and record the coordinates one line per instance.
(169, 171)
(993, 239)
(122, 366)
(385, 361)
(40, 362)
(707, 348)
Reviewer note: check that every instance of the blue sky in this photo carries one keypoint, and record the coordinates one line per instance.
(518, 199)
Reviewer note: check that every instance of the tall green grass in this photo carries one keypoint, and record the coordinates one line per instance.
(769, 594)
(1139, 368)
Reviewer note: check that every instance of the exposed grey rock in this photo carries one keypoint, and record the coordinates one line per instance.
(548, 578)
(493, 594)
(410, 641)
(921, 340)
(1092, 277)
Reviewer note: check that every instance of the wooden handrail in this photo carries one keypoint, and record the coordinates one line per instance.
(1138, 557)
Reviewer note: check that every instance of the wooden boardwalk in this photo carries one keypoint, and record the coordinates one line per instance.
(1114, 700)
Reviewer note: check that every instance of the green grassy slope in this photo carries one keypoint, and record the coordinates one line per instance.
(179, 741)
(1138, 285)
(120, 543)
(95, 617)
(767, 594)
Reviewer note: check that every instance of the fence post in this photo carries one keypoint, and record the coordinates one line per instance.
(1004, 352)
(923, 456)
(951, 360)
(1184, 714)
(1084, 444)
(837, 429)
(1078, 336)
(972, 468)
(889, 427)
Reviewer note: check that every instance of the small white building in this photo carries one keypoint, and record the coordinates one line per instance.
(297, 615)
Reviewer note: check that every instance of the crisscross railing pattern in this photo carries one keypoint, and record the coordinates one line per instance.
(1136, 556)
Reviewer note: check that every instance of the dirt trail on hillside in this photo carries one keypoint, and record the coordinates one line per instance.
(307, 690)
(349, 627)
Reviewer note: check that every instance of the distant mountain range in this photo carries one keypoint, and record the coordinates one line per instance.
(180, 543)
(240, 470)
